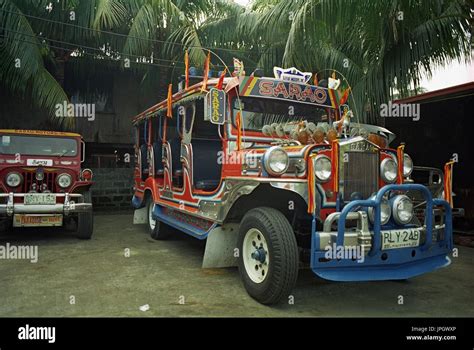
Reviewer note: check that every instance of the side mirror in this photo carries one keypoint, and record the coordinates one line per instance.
(83, 152)
(215, 106)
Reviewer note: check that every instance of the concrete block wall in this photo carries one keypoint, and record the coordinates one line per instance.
(112, 189)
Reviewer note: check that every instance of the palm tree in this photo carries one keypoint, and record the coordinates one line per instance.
(164, 29)
(40, 36)
(36, 45)
(380, 46)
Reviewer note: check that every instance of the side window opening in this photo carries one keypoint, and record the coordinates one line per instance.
(157, 144)
(143, 148)
(173, 137)
(189, 117)
(207, 146)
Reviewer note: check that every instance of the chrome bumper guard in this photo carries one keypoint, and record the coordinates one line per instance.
(436, 242)
(68, 207)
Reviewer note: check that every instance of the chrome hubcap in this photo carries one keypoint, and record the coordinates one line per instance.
(255, 255)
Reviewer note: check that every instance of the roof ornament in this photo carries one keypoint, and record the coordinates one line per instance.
(292, 74)
(238, 68)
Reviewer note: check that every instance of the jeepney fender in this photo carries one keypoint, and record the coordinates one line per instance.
(221, 244)
(235, 188)
(80, 186)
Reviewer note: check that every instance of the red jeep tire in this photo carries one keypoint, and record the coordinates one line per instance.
(85, 221)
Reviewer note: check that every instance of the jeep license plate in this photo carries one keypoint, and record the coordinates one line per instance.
(403, 238)
(22, 220)
(39, 198)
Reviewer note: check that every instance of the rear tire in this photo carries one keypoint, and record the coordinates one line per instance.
(268, 259)
(85, 221)
(157, 229)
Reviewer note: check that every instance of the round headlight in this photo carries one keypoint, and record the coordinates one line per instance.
(64, 180)
(385, 211)
(402, 208)
(407, 165)
(388, 170)
(322, 167)
(14, 179)
(276, 161)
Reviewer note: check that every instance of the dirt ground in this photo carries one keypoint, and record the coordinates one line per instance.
(121, 269)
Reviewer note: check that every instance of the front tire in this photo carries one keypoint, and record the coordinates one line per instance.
(268, 259)
(85, 221)
(157, 229)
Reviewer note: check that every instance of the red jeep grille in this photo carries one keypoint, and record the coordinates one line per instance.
(30, 177)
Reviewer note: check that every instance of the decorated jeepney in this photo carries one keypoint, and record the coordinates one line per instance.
(277, 173)
(42, 183)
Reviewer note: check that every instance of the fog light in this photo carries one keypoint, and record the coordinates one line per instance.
(402, 208)
(385, 211)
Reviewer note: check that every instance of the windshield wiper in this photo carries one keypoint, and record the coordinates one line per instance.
(61, 154)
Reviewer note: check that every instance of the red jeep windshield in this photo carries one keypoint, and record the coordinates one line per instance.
(38, 145)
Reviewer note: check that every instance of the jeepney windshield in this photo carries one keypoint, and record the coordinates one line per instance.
(38, 145)
(257, 112)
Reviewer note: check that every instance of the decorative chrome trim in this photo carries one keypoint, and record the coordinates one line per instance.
(217, 211)
(300, 188)
(344, 147)
(265, 179)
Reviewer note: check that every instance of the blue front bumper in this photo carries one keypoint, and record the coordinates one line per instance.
(389, 264)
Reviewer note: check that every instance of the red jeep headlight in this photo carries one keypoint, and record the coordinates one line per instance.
(64, 180)
(14, 179)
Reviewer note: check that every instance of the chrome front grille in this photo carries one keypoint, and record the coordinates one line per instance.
(30, 177)
(361, 174)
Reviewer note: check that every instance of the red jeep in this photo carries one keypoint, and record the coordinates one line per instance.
(41, 181)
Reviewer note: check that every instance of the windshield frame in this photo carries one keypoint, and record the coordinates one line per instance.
(77, 150)
(329, 111)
